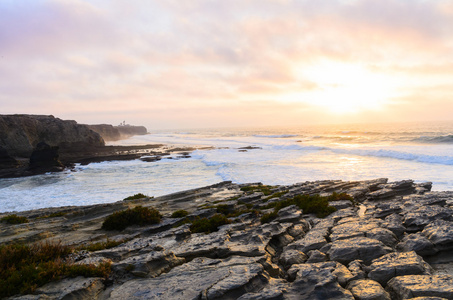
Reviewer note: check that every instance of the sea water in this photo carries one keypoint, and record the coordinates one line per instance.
(275, 156)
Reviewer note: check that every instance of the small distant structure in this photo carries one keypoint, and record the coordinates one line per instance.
(123, 124)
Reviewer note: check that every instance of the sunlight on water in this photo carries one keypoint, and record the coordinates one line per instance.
(281, 156)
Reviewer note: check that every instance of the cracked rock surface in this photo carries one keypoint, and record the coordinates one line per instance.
(392, 241)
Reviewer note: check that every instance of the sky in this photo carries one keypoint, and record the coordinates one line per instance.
(236, 63)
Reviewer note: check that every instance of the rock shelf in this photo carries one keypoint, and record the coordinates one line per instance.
(392, 241)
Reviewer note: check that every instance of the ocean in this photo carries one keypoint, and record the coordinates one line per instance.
(275, 156)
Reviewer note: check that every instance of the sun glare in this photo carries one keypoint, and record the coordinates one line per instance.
(346, 88)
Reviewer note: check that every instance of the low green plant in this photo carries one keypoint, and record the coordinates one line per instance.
(24, 268)
(14, 219)
(139, 215)
(265, 189)
(310, 204)
(266, 218)
(136, 196)
(223, 209)
(208, 225)
(179, 213)
(101, 245)
(276, 195)
(341, 196)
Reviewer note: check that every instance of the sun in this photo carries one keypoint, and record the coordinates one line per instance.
(346, 88)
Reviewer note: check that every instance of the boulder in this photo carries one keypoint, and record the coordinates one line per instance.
(416, 242)
(411, 286)
(200, 278)
(366, 289)
(416, 220)
(319, 282)
(395, 264)
(440, 233)
(365, 249)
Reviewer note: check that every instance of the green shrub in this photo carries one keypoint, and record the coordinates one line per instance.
(135, 197)
(179, 214)
(223, 209)
(266, 218)
(310, 204)
(342, 196)
(265, 189)
(209, 225)
(24, 268)
(139, 215)
(14, 219)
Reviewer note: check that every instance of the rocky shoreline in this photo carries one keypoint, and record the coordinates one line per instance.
(391, 241)
(37, 144)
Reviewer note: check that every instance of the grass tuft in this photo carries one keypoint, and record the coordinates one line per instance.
(266, 218)
(265, 189)
(136, 196)
(179, 213)
(209, 225)
(24, 268)
(139, 215)
(14, 219)
(310, 204)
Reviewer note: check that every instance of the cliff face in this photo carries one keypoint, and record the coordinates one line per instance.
(115, 133)
(19, 134)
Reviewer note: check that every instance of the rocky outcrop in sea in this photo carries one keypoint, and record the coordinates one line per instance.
(115, 133)
(391, 240)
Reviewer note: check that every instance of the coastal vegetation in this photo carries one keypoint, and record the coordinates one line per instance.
(24, 268)
(14, 219)
(136, 196)
(179, 213)
(138, 215)
(208, 225)
(265, 189)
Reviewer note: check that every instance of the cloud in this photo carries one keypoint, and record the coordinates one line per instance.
(205, 58)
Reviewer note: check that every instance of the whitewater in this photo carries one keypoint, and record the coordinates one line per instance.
(274, 156)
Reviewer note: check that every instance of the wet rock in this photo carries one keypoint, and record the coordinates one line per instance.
(201, 278)
(397, 264)
(366, 289)
(411, 286)
(416, 242)
(440, 233)
(362, 248)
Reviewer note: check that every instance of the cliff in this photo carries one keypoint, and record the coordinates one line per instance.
(115, 133)
(19, 134)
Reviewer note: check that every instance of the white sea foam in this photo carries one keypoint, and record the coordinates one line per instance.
(300, 155)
